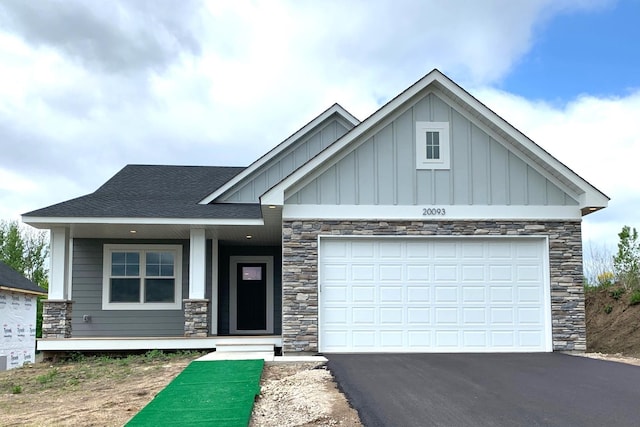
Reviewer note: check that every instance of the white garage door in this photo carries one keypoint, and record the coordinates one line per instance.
(433, 295)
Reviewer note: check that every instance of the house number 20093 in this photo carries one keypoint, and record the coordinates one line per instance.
(433, 211)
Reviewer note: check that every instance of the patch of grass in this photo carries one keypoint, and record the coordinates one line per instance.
(616, 293)
(608, 309)
(48, 377)
(16, 389)
(635, 297)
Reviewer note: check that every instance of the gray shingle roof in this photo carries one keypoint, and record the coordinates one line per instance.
(9, 278)
(150, 191)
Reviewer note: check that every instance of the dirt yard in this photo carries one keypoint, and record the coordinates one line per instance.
(613, 326)
(108, 392)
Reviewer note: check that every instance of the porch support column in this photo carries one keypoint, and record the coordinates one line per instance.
(214, 287)
(196, 307)
(56, 310)
(197, 263)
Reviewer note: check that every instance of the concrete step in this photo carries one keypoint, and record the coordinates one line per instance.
(244, 348)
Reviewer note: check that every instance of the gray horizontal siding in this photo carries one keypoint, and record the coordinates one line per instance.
(382, 171)
(87, 298)
(289, 160)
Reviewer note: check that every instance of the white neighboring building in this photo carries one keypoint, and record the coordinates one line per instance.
(18, 302)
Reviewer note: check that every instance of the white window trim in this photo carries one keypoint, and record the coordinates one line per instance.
(444, 162)
(106, 276)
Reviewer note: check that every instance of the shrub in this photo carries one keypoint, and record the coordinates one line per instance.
(16, 389)
(617, 293)
(608, 309)
(635, 297)
(605, 279)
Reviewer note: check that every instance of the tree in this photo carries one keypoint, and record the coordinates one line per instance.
(26, 251)
(626, 262)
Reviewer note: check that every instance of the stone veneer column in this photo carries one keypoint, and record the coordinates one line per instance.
(196, 316)
(56, 318)
(300, 270)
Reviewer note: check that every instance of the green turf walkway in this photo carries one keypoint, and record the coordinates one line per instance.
(208, 393)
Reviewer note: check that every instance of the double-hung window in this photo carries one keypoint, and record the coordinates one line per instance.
(142, 277)
(432, 145)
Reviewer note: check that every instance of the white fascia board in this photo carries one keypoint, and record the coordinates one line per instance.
(430, 213)
(145, 221)
(334, 109)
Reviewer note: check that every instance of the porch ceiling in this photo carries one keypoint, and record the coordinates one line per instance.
(268, 233)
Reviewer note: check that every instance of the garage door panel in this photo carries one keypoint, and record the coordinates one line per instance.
(505, 339)
(361, 294)
(473, 294)
(417, 317)
(447, 338)
(335, 272)
(473, 273)
(391, 250)
(500, 273)
(501, 294)
(366, 316)
(474, 316)
(446, 315)
(418, 273)
(334, 294)
(433, 295)
(474, 339)
(418, 339)
(446, 294)
(445, 273)
(391, 273)
(502, 316)
(391, 294)
(363, 273)
(393, 339)
(529, 316)
(471, 251)
(336, 315)
(528, 273)
(418, 294)
(417, 250)
(364, 338)
(391, 316)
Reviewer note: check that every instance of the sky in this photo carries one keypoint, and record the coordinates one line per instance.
(88, 87)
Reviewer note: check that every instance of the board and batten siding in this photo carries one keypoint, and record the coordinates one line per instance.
(289, 160)
(87, 298)
(381, 170)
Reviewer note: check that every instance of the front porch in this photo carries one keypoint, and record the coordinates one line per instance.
(153, 343)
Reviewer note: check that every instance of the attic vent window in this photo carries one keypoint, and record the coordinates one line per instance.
(432, 145)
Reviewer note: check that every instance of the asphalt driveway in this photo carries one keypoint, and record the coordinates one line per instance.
(532, 389)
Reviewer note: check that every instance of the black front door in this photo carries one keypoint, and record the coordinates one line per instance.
(251, 294)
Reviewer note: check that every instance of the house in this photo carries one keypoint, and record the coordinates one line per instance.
(18, 302)
(432, 226)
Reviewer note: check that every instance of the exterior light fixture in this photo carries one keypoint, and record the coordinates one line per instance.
(249, 236)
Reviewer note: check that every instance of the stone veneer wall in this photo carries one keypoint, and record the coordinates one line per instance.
(300, 270)
(196, 315)
(56, 318)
